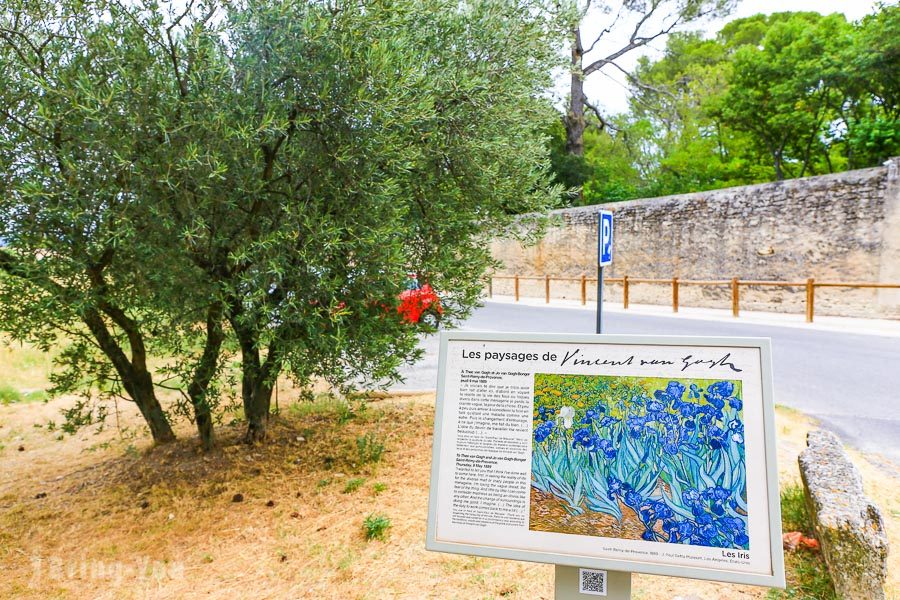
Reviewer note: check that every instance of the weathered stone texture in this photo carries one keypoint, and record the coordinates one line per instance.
(849, 527)
(841, 227)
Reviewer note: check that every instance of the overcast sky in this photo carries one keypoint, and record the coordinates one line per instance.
(607, 88)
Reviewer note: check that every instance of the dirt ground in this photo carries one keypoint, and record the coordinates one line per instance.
(548, 513)
(106, 515)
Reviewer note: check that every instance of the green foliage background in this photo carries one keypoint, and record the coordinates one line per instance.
(769, 97)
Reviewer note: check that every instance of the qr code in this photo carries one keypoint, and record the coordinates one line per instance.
(592, 582)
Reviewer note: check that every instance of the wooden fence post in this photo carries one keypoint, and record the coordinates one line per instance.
(675, 294)
(625, 291)
(547, 288)
(735, 298)
(583, 289)
(516, 278)
(810, 299)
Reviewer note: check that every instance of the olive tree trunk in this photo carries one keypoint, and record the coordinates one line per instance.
(135, 377)
(198, 389)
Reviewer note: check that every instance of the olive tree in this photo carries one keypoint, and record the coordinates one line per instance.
(72, 122)
(264, 174)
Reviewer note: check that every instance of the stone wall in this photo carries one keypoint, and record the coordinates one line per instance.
(843, 227)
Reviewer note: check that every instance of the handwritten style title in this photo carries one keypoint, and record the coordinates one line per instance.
(576, 358)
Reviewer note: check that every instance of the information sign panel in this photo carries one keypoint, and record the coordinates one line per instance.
(648, 454)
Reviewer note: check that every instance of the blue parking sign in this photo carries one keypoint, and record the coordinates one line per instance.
(604, 237)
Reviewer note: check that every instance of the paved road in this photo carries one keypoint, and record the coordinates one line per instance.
(850, 382)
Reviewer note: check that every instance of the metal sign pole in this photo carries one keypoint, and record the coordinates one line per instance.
(599, 299)
(575, 583)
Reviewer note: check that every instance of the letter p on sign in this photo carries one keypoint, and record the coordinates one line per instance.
(605, 237)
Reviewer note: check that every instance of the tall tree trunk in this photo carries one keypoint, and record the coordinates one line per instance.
(144, 395)
(575, 123)
(198, 388)
(136, 379)
(257, 378)
(256, 408)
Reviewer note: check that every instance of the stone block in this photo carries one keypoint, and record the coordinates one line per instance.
(849, 526)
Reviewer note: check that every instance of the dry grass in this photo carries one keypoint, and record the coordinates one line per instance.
(123, 520)
(24, 368)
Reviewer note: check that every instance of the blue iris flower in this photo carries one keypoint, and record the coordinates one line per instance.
(730, 525)
(695, 391)
(589, 416)
(663, 396)
(662, 510)
(545, 413)
(706, 528)
(668, 419)
(655, 406)
(717, 439)
(685, 529)
(719, 403)
(581, 437)
(691, 497)
(734, 529)
(609, 451)
(720, 389)
(633, 499)
(675, 389)
(614, 486)
(636, 426)
(593, 443)
(688, 410)
(650, 513)
(608, 421)
(736, 403)
(670, 528)
(678, 530)
(717, 496)
(705, 419)
(543, 431)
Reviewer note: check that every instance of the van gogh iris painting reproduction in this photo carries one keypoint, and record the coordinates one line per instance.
(640, 458)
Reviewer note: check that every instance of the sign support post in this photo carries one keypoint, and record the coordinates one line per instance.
(570, 581)
(616, 585)
(599, 299)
